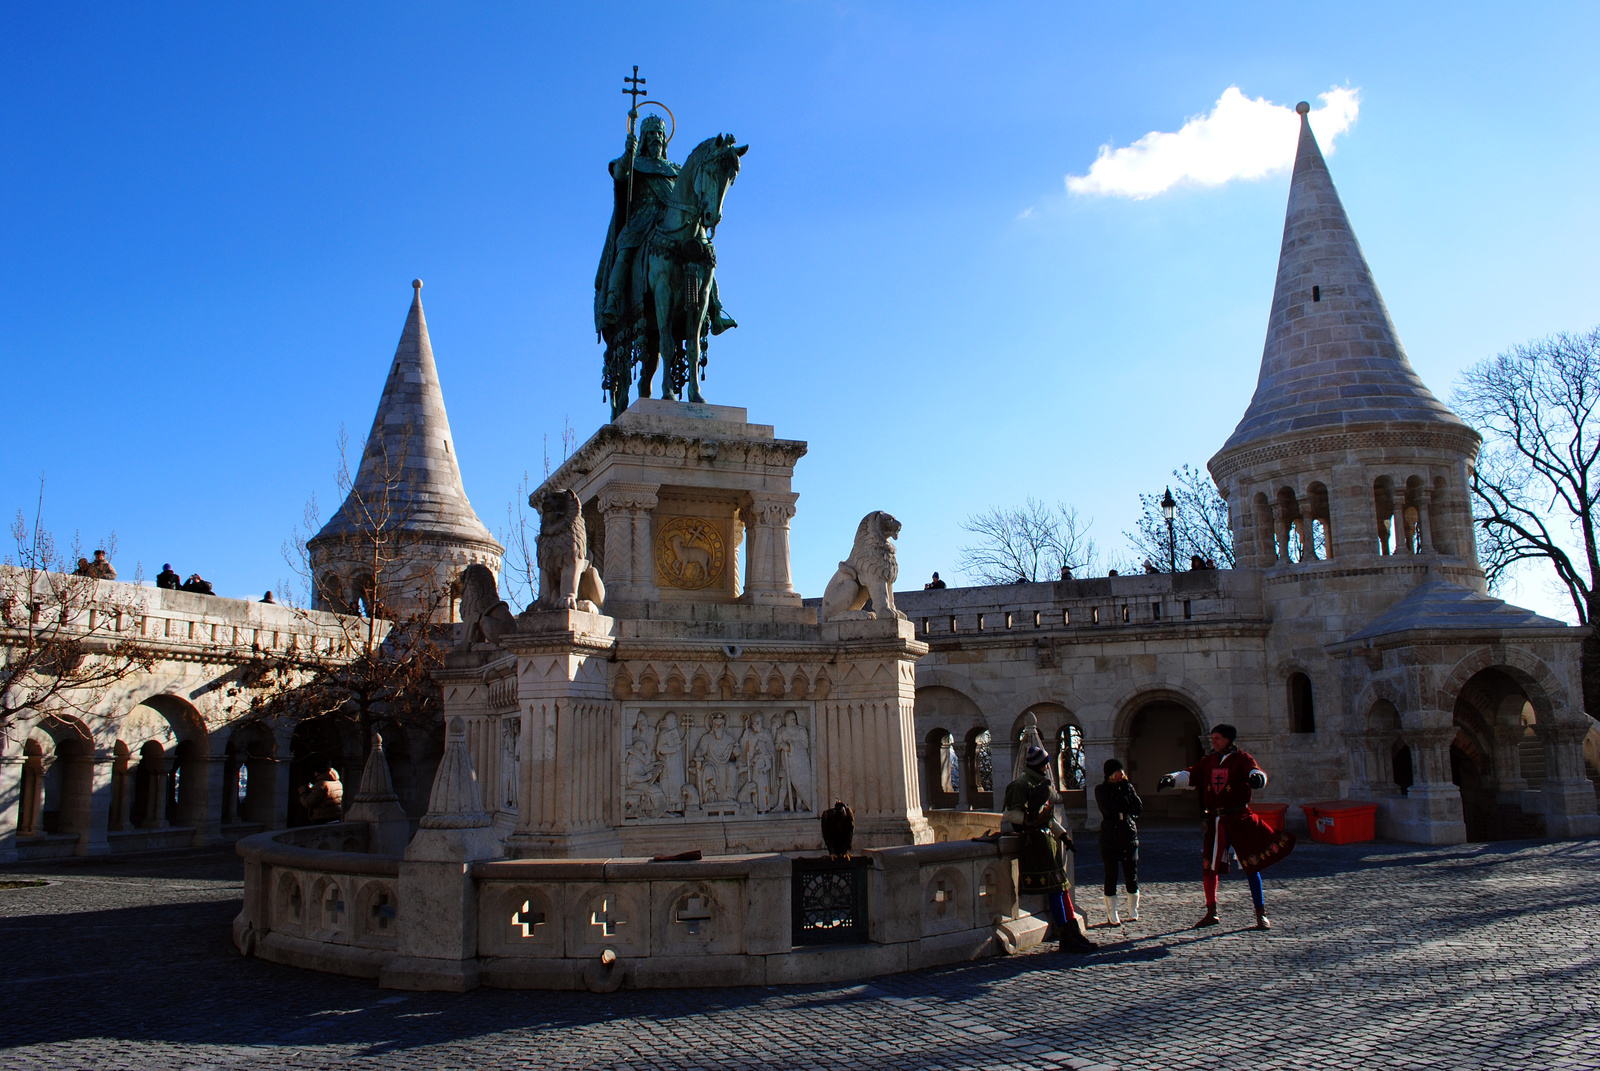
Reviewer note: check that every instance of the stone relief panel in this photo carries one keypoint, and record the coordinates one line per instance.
(739, 761)
(690, 553)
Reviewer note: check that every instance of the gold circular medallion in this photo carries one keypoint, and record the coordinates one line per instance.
(689, 553)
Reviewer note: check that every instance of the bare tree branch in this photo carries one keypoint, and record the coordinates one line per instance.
(1199, 526)
(1031, 542)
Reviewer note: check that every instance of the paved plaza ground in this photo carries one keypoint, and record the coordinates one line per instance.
(1383, 956)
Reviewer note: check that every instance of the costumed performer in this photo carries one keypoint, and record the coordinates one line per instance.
(1030, 807)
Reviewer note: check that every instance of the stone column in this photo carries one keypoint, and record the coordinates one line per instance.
(1280, 531)
(1095, 754)
(1424, 524)
(102, 775)
(281, 788)
(10, 797)
(617, 513)
(1266, 547)
(1400, 539)
(1003, 756)
(1567, 793)
(767, 580)
(206, 812)
(1436, 816)
(1308, 539)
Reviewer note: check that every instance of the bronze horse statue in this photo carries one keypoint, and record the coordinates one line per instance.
(676, 275)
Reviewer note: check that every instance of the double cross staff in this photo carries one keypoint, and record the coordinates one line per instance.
(635, 90)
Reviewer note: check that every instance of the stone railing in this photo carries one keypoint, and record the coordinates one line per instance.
(315, 899)
(1209, 596)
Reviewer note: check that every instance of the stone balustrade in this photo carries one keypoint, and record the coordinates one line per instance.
(1210, 596)
(315, 898)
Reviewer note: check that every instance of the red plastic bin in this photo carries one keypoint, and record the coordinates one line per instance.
(1341, 821)
(1271, 813)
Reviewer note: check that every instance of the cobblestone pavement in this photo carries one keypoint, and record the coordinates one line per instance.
(1383, 956)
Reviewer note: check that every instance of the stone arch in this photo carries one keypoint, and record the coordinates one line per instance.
(941, 768)
(1160, 730)
(1062, 734)
(250, 775)
(1532, 674)
(942, 711)
(1504, 746)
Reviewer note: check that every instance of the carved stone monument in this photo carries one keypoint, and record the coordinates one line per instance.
(706, 707)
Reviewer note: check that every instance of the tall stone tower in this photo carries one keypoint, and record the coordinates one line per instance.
(406, 529)
(1344, 459)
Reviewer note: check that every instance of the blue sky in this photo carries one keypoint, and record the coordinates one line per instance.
(213, 214)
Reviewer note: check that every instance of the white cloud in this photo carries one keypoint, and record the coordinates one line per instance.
(1241, 139)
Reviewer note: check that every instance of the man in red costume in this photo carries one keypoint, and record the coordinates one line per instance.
(1226, 779)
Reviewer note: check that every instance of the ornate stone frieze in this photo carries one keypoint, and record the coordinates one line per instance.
(742, 762)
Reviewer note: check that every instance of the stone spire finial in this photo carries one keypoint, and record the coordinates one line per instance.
(456, 826)
(1332, 356)
(377, 804)
(455, 802)
(376, 784)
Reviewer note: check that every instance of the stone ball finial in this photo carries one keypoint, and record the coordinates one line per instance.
(1303, 108)
(416, 284)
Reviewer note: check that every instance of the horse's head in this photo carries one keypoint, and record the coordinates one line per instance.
(710, 170)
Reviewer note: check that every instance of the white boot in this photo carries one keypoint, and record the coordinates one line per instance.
(1111, 911)
(1133, 907)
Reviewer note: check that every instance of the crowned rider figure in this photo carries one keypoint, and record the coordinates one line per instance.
(619, 285)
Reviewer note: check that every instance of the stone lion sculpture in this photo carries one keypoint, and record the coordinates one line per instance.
(869, 572)
(567, 580)
(484, 615)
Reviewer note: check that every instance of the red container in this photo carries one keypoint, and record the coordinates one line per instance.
(1341, 821)
(1271, 813)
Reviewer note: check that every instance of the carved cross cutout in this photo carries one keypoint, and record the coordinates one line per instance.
(693, 912)
(941, 896)
(382, 911)
(608, 918)
(333, 908)
(527, 919)
(987, 886)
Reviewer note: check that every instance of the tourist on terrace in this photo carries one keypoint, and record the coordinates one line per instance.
(1119, 807)
(324, 797)
(198, 584)
(168, 579)
(1030, 807)
(1226, 779)
(933, 584)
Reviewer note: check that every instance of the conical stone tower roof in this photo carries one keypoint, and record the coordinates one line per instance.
(1332, 357)
(410, 459)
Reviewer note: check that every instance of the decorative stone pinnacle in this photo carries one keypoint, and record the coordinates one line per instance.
(416, 284)
(455, 802)
(1303, 108)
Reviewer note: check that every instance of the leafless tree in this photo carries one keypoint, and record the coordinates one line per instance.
(381, 669)
(1199, 523)
(519, 569)
(1031, 542)
(65, 639)
(1536, 481)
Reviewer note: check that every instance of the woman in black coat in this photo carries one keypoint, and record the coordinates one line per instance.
(1119, 838)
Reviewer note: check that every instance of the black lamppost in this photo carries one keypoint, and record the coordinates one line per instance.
(1169, 510)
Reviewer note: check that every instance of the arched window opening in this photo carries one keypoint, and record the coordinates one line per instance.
(943, 772)
(1400, 764)
(1383, 504)
(1302, 718)
(980, 770)
(1069, 757)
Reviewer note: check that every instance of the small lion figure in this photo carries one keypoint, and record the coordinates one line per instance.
(870, 572)
(567, 580)
(484, 615)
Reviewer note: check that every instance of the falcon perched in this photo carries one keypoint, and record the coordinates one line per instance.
(838, 827)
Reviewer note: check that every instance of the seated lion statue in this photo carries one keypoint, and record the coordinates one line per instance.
(567, 579)
(869, 572)
(484, 615)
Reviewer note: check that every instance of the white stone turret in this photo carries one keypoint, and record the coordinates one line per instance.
(406, 529)
(1343, 453)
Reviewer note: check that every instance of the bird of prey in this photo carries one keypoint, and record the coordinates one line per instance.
(838, 828)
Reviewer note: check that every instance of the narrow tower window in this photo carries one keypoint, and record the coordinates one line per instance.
(1301, 717)
(1316, 293)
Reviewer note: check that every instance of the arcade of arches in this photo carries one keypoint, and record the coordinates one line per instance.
(157, 778)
